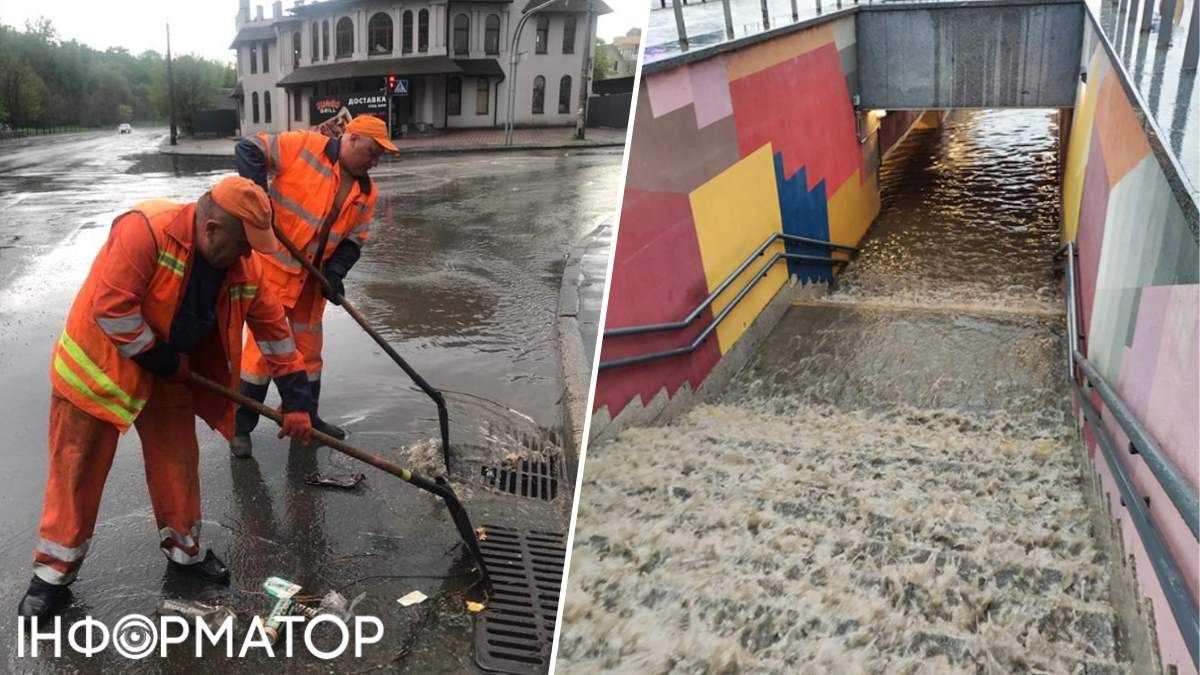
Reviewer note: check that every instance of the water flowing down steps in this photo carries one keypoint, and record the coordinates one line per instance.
(892, 483)
(814, 518)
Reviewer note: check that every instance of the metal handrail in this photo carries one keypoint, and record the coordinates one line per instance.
(1173, 482)
(699, 340)
(695, 313)
(1167, 570)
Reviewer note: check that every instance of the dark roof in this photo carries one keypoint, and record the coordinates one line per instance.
(579, 6)
(254, 31)
(424, 65)
(480, 67)
(238, 91)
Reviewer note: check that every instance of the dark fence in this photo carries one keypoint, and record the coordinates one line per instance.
(215, 122)
(609, 111)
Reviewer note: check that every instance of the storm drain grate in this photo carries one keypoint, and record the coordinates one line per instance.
(515, 632)
(537, 479)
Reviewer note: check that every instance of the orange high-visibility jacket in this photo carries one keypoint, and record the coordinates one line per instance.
(304, 176)
(128, 302)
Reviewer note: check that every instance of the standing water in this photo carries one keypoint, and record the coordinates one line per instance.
(890, 484)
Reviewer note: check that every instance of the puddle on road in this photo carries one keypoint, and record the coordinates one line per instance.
(460, 275)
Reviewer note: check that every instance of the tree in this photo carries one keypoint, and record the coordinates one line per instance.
(24, 93)
(197, 85)
(602, 65)
(46, 80)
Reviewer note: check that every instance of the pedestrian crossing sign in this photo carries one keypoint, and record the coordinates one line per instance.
(401, 88)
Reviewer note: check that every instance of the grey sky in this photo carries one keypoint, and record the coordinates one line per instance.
(202, 27)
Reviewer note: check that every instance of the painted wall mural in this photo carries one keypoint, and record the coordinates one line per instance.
(1138, 269)
(726, 152)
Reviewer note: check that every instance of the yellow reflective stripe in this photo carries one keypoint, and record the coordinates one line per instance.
(98, 376)
(238, 291)
(171, 262)
(64, 371)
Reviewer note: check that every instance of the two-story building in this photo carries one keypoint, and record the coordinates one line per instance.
(418, 64)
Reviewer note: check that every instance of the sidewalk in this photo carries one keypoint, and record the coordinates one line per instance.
(464, 140)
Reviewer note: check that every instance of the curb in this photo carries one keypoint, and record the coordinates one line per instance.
(575, 368)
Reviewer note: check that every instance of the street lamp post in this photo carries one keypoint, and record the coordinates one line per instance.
(512, 70)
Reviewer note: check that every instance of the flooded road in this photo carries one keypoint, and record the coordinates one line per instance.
(461, 275)
(891, 483)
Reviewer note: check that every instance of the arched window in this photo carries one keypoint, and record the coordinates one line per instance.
(539, 95)
(406, 30)
(325, 39)
(564, 95)
(266, 54)
(345, 37)
(569, 35)
(423, 30)
(296, 50)
(462, 34)
(266, 107)
(253, 58)
(379, 34)
(454, 98)
(254, 106)
(542, 37)
(316, 42)
(491, 34)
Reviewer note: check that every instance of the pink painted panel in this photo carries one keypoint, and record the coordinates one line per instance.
(710, 86)
(668, 91)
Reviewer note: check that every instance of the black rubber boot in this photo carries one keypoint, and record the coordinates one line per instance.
(211, 569)
(318, 423)
(245, 420)
(44, 599)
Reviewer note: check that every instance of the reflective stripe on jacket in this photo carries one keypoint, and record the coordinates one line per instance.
(304, 175)
(127, 304)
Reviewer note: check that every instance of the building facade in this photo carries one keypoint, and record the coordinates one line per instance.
(421, 65)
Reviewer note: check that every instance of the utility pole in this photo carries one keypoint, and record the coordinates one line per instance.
(585, 76)
(171, 86)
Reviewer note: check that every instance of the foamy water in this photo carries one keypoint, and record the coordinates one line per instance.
(892, 483)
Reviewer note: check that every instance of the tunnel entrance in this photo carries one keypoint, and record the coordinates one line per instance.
(908, 493)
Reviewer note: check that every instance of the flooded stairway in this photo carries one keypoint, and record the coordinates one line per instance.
(891, 484)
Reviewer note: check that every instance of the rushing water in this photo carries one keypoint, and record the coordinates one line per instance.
(889, 485)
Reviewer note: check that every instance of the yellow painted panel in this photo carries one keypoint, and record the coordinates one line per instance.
(734, 213)
(852, 209)
(750, 60)
(1079, 145)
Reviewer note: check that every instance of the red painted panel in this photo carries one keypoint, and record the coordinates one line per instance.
(657, 277)
(1093, 209)
(802, 106)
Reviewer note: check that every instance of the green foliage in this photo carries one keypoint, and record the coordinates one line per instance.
(602, 64)
(48, 81)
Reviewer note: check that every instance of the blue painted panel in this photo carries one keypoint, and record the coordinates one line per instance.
(806, 214)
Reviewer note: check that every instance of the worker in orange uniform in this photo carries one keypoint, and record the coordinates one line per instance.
(323, 200)
(169, 293)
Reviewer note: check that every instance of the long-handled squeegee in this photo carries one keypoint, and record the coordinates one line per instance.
(430, 391)
(437, 486)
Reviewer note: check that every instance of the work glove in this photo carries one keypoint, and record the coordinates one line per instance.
(180, 376)
(297, 425)
(336, 289)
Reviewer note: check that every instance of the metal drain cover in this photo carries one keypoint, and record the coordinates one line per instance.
(536, 479)
(514, 634)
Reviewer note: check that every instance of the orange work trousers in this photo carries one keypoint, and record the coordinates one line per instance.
(305, 320)
(81, 454)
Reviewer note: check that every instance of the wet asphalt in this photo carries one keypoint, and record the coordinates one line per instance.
(461, 275)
